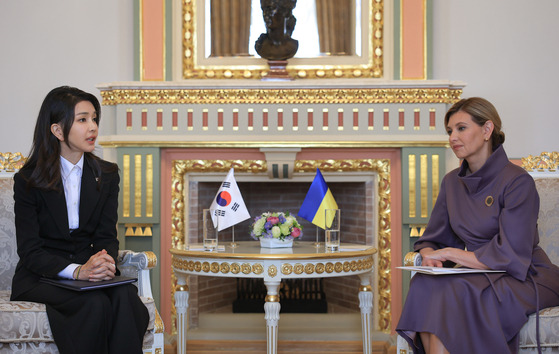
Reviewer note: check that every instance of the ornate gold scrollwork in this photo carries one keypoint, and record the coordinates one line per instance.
(319, 268)
(224, 267)
(246, 268)
(11, 161)
(299, 268)
(309, 268)
(272, 271)
(545, 161)
(286, 269)
(214, 267)
(281, 96)
(158, 324)
(152, 259)
(235, 268)
(338, 267)
(258, 269)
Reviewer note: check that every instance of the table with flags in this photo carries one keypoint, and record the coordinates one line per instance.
(249, 260)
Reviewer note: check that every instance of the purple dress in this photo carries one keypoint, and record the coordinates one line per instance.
(492, 212)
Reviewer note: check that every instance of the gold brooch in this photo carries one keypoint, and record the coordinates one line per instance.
(489, 200)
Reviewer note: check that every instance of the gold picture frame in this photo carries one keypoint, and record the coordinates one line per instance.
(195, 66)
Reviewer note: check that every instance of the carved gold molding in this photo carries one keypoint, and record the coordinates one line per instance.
(545, 161)
(373, 68)
(281, 96)
(11, 161)
(152, 259)
(204, 267)
(380, 166)
(158, 324)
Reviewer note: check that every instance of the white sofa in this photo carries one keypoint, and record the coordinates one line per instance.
(544, 170)
(24, 326)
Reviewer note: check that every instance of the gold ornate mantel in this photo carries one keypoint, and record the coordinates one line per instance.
(364, 111)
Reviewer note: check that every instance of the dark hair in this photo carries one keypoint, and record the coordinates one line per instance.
(481, 111)
(44, 159)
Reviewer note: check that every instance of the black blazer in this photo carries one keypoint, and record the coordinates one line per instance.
(44, 243)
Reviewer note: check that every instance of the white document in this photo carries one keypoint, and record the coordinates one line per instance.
(447, 271)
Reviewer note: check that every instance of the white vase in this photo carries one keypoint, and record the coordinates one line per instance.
(275, 243)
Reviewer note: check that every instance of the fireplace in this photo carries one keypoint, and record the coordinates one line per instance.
(285, 196)
(168, 138)
(361, 187)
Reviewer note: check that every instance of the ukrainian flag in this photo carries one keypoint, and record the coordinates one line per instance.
(318, 199)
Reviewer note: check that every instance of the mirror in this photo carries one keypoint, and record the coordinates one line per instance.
(365, 60)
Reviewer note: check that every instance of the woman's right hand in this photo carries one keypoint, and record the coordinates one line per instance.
(100, 266)
(429, 258)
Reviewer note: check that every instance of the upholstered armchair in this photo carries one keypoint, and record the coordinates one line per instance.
(24, 326)
(545, 171)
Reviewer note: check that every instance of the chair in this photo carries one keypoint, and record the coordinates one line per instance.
(544, 170)
(24, 326)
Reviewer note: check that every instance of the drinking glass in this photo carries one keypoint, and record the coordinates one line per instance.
(210, 231)
(332, 229)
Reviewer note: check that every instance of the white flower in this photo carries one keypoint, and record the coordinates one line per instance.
(276, 231)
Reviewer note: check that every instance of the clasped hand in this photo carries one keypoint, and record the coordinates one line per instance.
(100, 266)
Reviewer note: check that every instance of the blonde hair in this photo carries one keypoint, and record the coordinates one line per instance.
(481, 111)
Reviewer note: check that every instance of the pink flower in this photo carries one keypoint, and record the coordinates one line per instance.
(296, 232)
(273, 219)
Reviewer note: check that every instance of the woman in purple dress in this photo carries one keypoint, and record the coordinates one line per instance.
(485, 217)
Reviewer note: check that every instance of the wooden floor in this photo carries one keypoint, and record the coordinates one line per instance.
(284, 347)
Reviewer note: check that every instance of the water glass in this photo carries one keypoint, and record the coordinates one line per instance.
(332, 229)
(210, 231)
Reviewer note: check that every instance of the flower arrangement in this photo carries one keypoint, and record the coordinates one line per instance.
(282, 226)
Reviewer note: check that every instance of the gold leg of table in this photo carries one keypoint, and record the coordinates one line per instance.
(181, 306)
(366, 306)
(272, 310)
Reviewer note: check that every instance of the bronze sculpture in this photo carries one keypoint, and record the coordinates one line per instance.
(276, 43)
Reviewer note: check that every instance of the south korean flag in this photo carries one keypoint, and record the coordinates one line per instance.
(228, 207)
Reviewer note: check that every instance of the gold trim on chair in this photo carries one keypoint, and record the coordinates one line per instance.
(545, 161)
(11, 161)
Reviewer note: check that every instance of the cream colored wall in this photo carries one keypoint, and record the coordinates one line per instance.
(502, 49)
(45, 44)
(505, 51)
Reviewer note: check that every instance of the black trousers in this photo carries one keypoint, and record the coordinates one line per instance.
(109, 320)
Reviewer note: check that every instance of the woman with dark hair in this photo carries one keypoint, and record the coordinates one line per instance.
(65, 207)
(485, 218)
